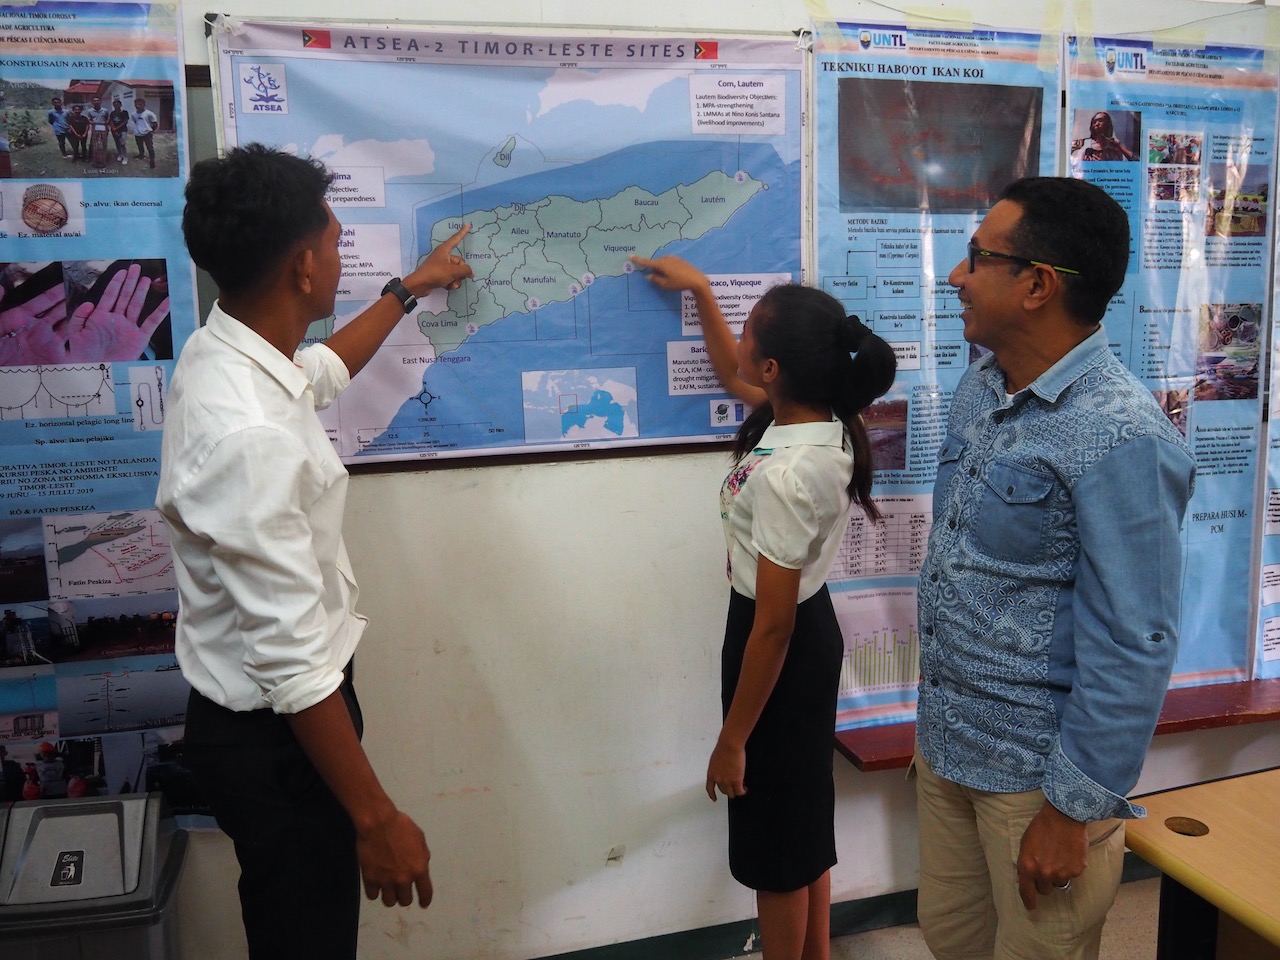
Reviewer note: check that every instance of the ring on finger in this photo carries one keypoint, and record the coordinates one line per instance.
(1064, 887)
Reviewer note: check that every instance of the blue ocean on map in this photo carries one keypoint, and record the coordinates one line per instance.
(472, 396)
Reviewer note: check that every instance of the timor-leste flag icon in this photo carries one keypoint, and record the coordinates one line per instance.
(706, 50)
(316, 39)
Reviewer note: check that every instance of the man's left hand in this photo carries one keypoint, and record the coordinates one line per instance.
(1053, 852)
(394, 862)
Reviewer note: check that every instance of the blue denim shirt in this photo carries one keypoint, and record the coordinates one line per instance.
(1050, 595)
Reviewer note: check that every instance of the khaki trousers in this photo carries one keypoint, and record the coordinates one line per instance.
(969, 905)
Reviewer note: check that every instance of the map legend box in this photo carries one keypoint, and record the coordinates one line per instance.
(370, 257)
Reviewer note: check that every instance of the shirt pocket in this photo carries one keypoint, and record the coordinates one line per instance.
(948, 459)
(1011, 519)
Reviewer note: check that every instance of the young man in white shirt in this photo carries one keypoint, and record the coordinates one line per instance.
(143, 122)
(253, 495)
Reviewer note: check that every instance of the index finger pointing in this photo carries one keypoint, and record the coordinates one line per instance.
(457, 237)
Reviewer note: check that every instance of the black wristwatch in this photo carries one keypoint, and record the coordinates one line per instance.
(401, 293)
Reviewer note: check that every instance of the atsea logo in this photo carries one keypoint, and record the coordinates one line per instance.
(263, 88)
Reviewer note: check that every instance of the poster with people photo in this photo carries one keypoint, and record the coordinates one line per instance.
(1183, 139)
(97, 297)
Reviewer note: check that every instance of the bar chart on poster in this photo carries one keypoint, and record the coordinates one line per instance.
(882, 646)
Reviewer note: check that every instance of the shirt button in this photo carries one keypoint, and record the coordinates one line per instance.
(973, 471)
(934, 682)
(928, 631)
(934, 576)
(952, 523)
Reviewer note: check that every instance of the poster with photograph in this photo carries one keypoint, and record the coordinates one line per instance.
(1184, 139)
(1266, 655)
(97, 296)
(917, 131)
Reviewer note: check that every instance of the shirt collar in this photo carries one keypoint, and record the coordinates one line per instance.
(828, 433)
(246, 340)
(1070, 368)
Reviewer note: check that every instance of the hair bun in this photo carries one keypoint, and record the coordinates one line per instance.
(852, 333)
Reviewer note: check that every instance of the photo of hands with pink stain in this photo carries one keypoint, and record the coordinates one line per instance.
(115, 319)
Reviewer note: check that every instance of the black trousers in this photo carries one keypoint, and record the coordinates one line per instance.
(299, 877)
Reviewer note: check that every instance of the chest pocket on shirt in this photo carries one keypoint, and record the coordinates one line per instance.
(1012, 514)
(948, 460)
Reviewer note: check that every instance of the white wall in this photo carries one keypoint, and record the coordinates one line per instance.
(540, 682)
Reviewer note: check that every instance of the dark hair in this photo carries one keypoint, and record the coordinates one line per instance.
(824, 358)
(246, 211)
(1110, 129)
(1072, 223)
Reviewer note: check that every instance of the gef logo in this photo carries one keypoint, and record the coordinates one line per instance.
(727, 413)
(263, 88)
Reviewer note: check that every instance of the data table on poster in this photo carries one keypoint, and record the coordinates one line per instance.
(893, 547)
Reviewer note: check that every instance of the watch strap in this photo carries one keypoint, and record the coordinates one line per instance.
(398, 290)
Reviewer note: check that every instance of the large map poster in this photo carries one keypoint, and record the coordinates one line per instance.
(1184, 138)
(566, 154)
(917, 131)
(97, 297)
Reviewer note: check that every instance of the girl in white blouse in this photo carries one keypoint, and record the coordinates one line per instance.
(800, 460)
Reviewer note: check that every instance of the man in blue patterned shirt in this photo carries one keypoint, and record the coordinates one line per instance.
(1049, 598)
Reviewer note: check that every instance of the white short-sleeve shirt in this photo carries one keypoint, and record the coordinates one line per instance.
(253, 494)
(788, 499)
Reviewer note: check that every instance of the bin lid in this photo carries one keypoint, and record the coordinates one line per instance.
(74, 850)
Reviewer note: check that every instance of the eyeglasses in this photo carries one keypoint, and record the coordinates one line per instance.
(976, 251)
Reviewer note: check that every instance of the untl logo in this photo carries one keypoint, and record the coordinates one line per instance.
(1123, 60)
(882, 38)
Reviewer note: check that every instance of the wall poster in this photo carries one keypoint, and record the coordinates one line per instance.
(97, 296)
(917, 131)
(1184, 138)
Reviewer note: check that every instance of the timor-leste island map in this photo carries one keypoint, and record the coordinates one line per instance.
(563, 171)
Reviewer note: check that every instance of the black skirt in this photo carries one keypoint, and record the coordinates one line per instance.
(782, 830)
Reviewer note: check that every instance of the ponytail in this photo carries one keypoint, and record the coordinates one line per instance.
(870, 375)
(825, 357)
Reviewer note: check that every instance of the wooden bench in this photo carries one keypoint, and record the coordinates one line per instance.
(1190, 708)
